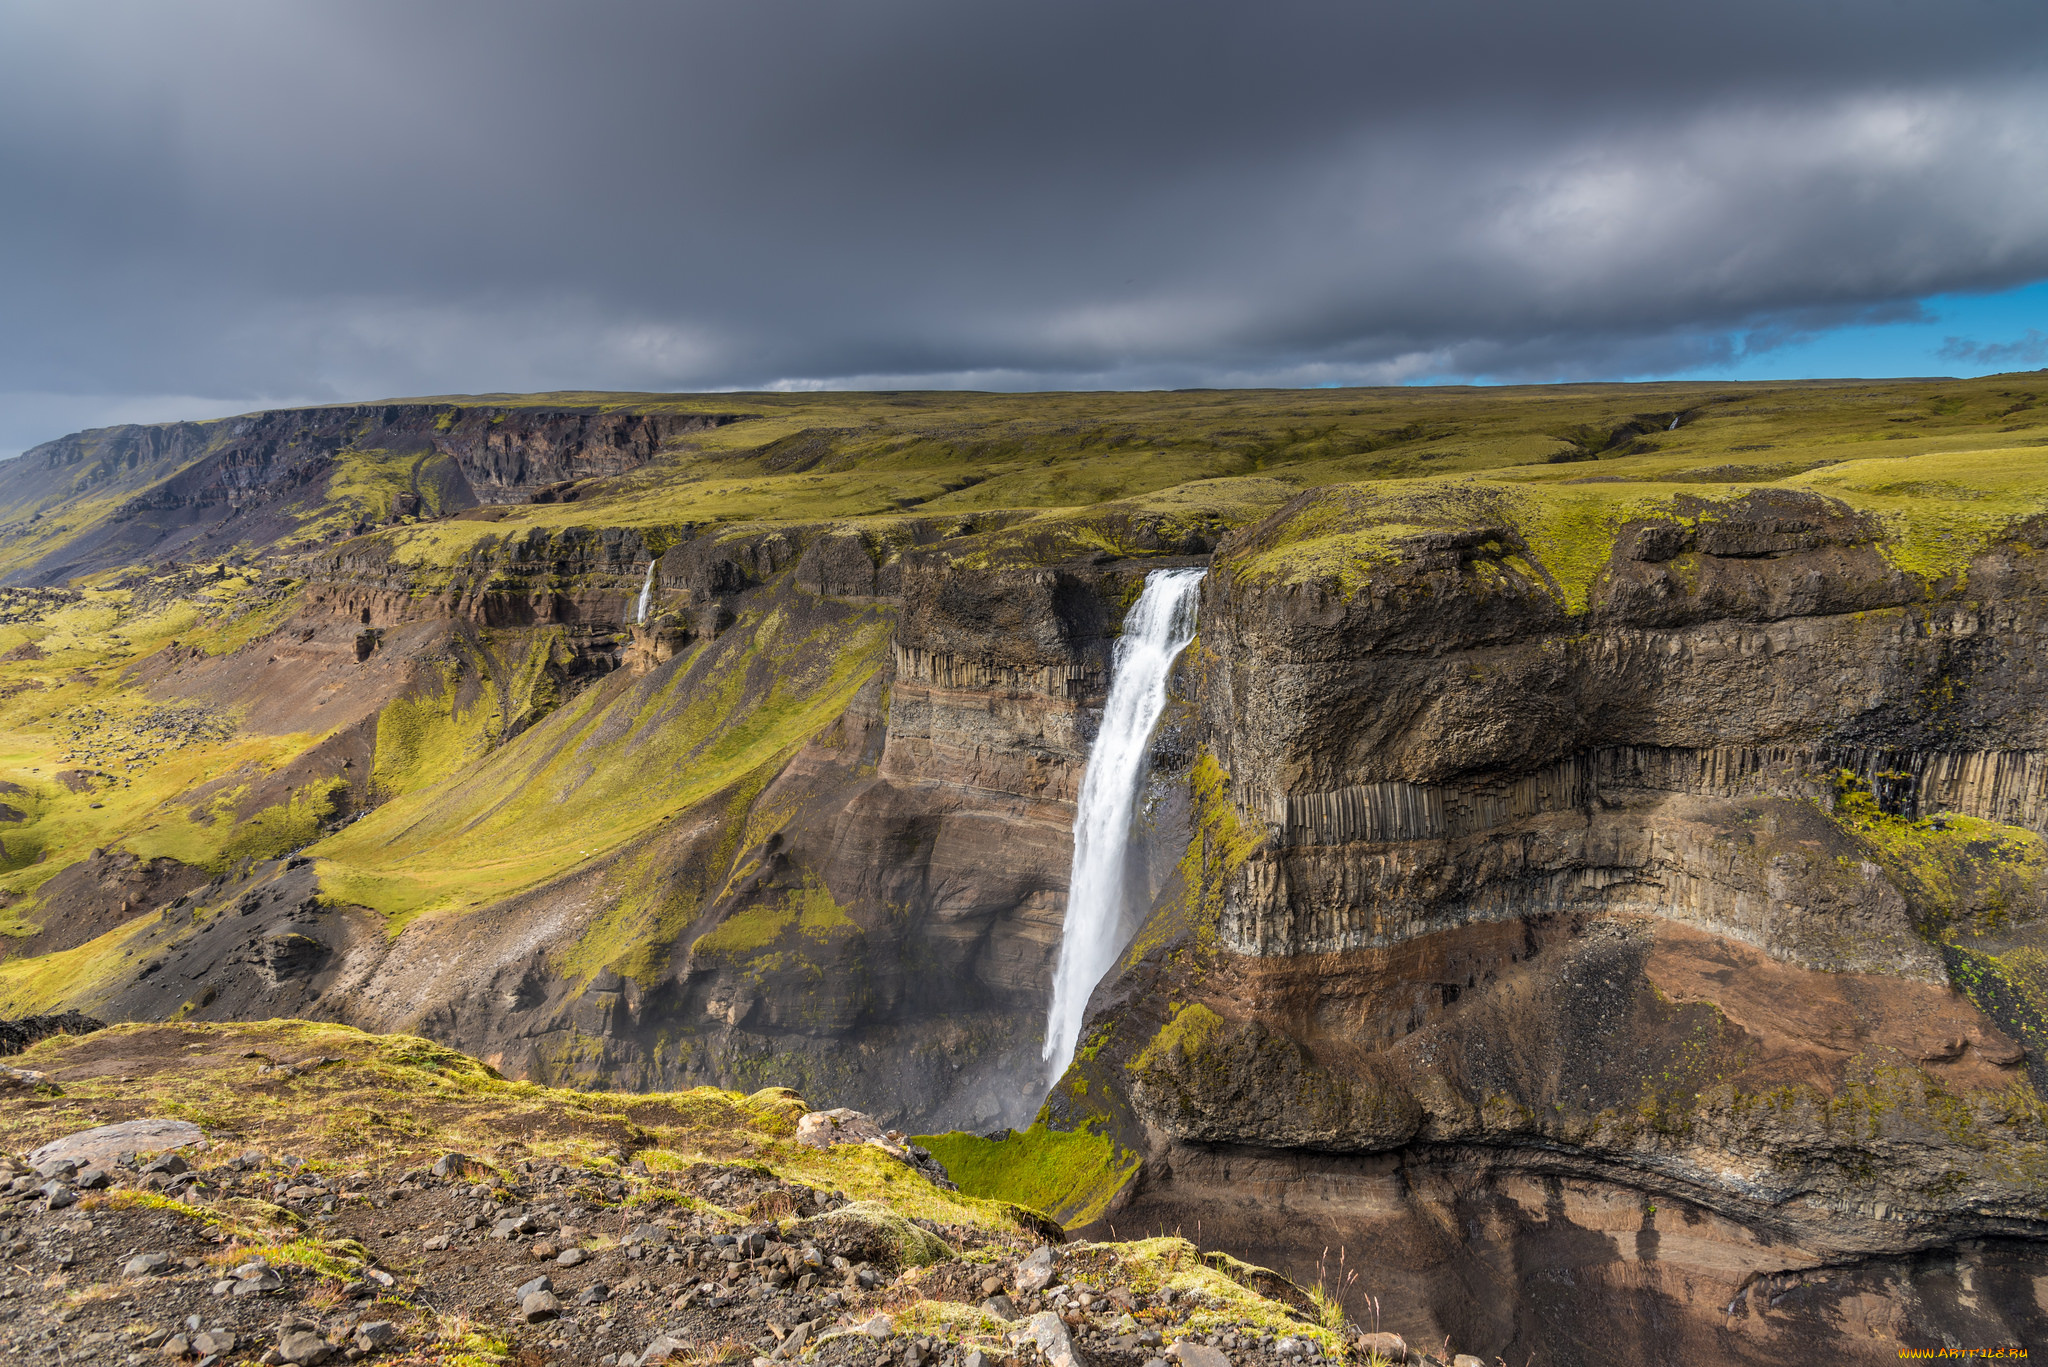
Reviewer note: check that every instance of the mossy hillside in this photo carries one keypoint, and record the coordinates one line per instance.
(840, 456)
(803, 949)
(1979, 890)
(1070, 1175)
(1185, 921)
(613, 764)
(1189, 1034)
(808, 913)
(656, 897)
(364, 486)
(1937, 511)
(1962, 876)
(94, 762)
(45, 983)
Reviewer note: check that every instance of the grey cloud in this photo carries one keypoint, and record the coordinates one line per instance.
(2030, 348)
(338, 200)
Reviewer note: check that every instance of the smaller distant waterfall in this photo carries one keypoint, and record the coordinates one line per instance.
(646, 594)
(1159, 627)
(1674, 424)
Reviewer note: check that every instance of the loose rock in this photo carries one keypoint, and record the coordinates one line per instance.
(107, 1145)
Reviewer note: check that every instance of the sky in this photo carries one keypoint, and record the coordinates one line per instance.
(222, 205)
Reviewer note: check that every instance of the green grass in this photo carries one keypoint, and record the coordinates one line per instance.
(1935, 511)
(1071, 1176)
(150, 795)
(607, 769)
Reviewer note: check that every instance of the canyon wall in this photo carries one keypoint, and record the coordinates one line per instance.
(866, 907)
(1653, 983)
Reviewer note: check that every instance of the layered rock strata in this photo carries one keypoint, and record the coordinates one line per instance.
(1675, 957)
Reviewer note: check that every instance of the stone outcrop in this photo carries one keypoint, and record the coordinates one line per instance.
(1685, 943)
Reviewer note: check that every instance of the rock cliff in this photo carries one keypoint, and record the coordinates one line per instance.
(1676, 953)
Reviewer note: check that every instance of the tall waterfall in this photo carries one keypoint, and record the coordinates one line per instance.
(1159, 627)
(646, 594)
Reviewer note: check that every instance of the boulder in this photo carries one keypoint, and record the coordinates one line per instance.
(823, 1129)
(376, 1334)
(107, 1145)
(302, 1348)
(1036, 1272)
(868, 1231)
(1392, 1347)
(1050, 1333)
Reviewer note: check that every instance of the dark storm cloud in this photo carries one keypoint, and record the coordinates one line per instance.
(244, 202)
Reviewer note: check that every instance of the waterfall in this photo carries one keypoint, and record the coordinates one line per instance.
(646, 594)
(1159, 627)
(1674, 424)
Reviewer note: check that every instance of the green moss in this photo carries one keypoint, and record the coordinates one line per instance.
(1218, 846)
(809, 912)
(51, 982)
(1939, 510)
(1069, 1175)
(610, 768)
(653, 905)
(1190, 1031)
(1961, 875)
(289, 825)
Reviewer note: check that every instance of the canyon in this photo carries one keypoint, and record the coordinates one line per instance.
(1588, 897)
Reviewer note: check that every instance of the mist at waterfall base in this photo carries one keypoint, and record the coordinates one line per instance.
(1159, 626)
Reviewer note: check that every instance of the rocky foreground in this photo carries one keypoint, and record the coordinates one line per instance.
(291, 1193)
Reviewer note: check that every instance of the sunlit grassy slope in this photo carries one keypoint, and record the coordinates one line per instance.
(92, 761)
(607, 768)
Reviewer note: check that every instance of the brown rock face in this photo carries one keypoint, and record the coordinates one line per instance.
(1649, 984)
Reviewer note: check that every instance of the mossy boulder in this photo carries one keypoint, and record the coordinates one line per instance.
(868, 1231)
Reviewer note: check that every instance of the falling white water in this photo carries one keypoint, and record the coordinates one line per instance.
(646, 594)
(1674, 425)
(1159, 627)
